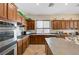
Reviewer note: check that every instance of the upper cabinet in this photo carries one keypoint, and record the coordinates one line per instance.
(8, 11)
(65, 24)
(55, 24)
(19, 18)
(23, 21)
(68, 24)
(30, 24)
(12, 12)
(76, 24)
(3, 10)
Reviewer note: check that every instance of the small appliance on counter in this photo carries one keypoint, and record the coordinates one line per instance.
(25, 32)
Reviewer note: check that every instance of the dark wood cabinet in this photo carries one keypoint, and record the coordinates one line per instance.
(19, 18)
(25, 43)
(23, 21)
(65, 24)
(12, 12)
(3, 10)
(55, 24)
(30, 24)
(37, 39)
(75, 24)
(47, 49)
(59, 23)
(8, 11)
(19, 47)
(78, 24)
(22, 45)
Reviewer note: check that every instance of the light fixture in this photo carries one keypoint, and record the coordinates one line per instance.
(66, 4)
(37, 4)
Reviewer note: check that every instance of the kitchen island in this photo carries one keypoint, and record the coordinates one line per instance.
(59, 46)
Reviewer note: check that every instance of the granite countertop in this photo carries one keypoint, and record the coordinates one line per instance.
(60, 46)
(21, 37)
(44, 34)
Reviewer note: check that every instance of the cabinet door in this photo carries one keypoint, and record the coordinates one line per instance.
(12, 12)
(71, 24)
(19, 19)
(24, 44)
(55, 24)
(19, 47)
(32, 39)
(68, 24)
(3, 10)
(75, 24)
(23, 21)
(27, 22)
(78, 24)
(59, 24)
(30, 25)
(37, 39)
(63, 24)
(42, 39)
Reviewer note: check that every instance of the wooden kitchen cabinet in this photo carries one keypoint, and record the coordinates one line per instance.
(37, 39)
(75, 24)
(23, 21)
(30, 24)
(78, 24)
(47, 49)
(3, 10)
(59, 24)
(67, 22)
(22, 45)
(19, 47)
(55, 24)
(25, 43)
(19, 18)
(12, 12)
(8, 11)
(63, 23)
(71, 24)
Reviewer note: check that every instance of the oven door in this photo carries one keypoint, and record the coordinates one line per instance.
(7, 42)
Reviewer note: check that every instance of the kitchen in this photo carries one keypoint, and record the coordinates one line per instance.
(39, 29)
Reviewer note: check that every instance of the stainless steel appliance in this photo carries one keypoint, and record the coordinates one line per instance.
(7, 38)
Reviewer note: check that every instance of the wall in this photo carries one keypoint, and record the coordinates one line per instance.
(57, 16)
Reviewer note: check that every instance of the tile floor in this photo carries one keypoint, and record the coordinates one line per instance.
(35, 50)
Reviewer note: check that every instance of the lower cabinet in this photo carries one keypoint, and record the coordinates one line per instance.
(47, 50)
(25, 43)
(22, 45)
(37, 39)
(19, 48)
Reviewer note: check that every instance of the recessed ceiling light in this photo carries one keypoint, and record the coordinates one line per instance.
(37, 4)
(66, 4)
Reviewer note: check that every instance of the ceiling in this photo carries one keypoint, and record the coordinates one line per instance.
(43, 9)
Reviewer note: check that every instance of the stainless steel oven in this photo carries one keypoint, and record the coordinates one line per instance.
(7, 38)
